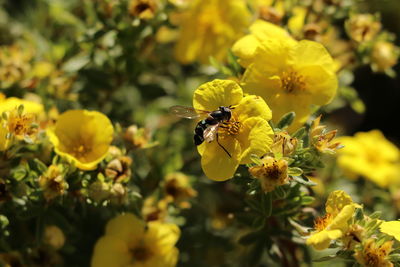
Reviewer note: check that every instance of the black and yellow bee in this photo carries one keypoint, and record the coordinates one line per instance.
(206, 129)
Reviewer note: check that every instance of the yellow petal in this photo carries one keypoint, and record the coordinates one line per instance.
(391, 228)
(336, 201)
(308, 53)
(12, 103)
(260, 30)
(321, 240)
(216, 163)
(214, 94)
(166, 234)
(126, 227)
(110, 252)
(4, 142)
(245, 48)
(255, 137)
(340, 221)
(252, 106)
(321, 84)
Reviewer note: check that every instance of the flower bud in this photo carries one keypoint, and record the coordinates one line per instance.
(54, 237)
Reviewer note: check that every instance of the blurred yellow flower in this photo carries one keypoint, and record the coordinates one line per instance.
(339, 209)
(144, 9)
(384, 56)
(373, 254)
(208, 28)
(54, 237)
(128, 242)
(291, 76)
(371, 155)
(363, 27)
(42, 69)
(246, 133)
(14, 64)
(245, 48)
(82, 137)
(177, 188)
(391, 228)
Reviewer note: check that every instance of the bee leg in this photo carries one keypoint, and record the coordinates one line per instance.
(223, 146)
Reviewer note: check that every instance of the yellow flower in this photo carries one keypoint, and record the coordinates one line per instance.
(246, 133)
(374, 255)
(127, 242)
(272, 173)
(391, 228)
(291, 76)
(82, 137)
(384, 56)
(245, 48)
(334, 225)
(371, 155)
(17, 124)
(208, 28)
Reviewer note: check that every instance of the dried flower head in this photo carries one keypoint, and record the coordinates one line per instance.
(271, 173)
(119, 169)
(53, 183)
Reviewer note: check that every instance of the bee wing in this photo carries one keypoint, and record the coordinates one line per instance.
(210, 133)
(187, 112)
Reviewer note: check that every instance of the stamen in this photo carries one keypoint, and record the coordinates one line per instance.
(292, 82)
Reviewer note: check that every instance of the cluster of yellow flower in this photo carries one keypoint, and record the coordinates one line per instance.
(366, 236)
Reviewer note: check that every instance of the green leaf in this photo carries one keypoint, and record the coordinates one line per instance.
(307, 200)
(300, 133)
(267, 204)
(295, 171)
(249, 238)
(286, 120)
(76, 63)
(303, 180)
(19, 173)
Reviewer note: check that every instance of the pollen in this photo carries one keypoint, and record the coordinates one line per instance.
(141, 253)
(292, 82)
(231, 127)
(80, 151)
(321, 223)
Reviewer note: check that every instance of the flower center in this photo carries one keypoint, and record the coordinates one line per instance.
(231, 127)
(291, 81)
(321, 223)
(141, 253)
(80, 151)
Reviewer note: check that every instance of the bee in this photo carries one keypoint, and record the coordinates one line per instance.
(206, 129)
